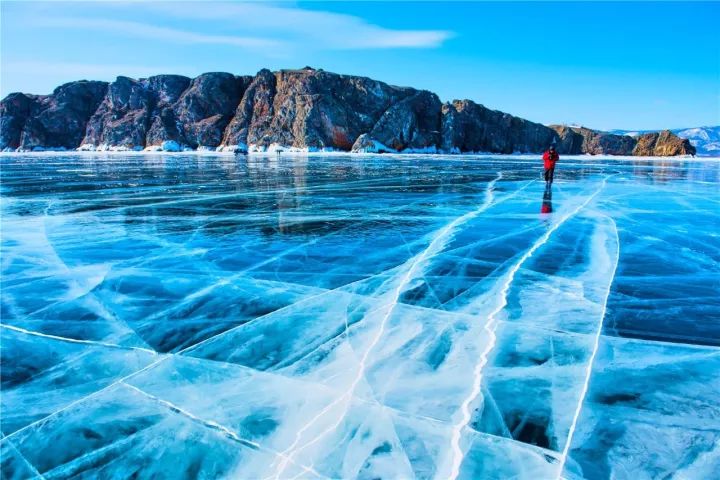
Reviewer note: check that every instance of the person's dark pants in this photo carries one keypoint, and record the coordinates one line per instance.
(549, 174)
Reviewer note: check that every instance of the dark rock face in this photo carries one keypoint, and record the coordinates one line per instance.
(412, 123)
(14, 112)
(123, 117)
(601, 143)
(470, 127)
(207, 106)
(662, 144)
(69, 108)
(49, 121)
(304, 108)
(569, 141)
(166, 89)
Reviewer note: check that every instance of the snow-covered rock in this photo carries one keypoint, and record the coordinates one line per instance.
(240, 148)
(366, 144)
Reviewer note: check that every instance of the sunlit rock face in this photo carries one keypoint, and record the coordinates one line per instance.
(254, 113)
(305, 109)
(323, 317)
(577, 140)
(310, 108)
(663, 144)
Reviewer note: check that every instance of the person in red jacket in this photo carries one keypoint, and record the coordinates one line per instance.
(550, 157)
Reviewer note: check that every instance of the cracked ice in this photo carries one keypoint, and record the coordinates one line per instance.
(335, 317)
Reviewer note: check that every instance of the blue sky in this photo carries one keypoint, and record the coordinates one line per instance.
(605, 65)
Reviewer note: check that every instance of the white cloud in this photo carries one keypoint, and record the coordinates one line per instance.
(137, 29)
(260, 26)
(324, 30)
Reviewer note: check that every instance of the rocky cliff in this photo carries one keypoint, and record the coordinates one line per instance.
(303, 109)
(578, 140)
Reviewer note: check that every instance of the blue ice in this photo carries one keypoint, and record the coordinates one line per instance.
(201, 316)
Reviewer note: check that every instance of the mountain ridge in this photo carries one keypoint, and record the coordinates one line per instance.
(302, 109)
(705, 139)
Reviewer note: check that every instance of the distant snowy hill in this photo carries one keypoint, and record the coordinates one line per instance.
(705, 139)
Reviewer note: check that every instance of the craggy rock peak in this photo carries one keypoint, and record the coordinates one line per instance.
(50, 121)
(303, 109)
(148, 112)
(309, 109)
(469, 127)
(578, 140)
(412, 123)
(663, 144)
(207, 106)
(594, 142)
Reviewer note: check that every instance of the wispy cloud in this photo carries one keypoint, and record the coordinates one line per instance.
(321, 29)
(273, 29)
(144, 30)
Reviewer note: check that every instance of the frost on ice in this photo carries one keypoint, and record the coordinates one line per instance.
(324, 317)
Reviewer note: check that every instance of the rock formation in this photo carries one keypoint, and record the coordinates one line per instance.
(309, 109)
(578, 140)
(470, 127)
(54, 121)
(14, 112)
(412, 123)
(303, 109)
(663, 144)
(167, 90)
(207, 106)
(123, 117)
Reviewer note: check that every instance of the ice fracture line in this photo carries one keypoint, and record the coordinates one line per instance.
(490, 325)
(75, 340)
(223, 430)
(436, 245)
(596, 344)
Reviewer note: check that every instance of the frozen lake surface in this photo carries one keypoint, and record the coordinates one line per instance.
(189, 316)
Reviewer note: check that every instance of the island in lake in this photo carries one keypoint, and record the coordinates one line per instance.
(306, 110)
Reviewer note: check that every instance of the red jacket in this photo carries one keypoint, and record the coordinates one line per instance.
(550, 159)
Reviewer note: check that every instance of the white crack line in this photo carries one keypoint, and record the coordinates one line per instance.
(212, 425)
(596, 345)
(435, 246)
(75, 340)
(490, 326)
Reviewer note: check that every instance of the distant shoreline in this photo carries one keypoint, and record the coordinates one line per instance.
(448, 156)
